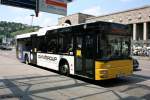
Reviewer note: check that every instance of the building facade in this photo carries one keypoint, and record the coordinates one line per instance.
(138, 20)
(74, 19)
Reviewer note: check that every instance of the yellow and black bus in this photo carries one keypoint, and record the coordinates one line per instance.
(98, 50)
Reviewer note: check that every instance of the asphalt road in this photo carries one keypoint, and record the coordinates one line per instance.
(25, 82)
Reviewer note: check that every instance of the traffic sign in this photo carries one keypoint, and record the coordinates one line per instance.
(53, 6)
(50, 6)
(29, 4)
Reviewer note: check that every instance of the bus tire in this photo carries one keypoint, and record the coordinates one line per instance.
(26, 59)
(64, 68)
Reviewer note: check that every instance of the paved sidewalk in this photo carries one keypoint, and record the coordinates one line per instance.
(54, 87)
(24, 82)
(141, 58)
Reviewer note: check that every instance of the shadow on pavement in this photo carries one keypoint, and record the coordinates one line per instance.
(52, 87)
(130, 83)
(141, 76)
(22, 87)
(107, 83)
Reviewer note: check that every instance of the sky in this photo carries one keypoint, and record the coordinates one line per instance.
(93, 7)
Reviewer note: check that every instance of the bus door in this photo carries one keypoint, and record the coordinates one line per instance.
(33, 52)
(85, 57)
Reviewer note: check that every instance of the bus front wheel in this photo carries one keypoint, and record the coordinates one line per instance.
(64, 69)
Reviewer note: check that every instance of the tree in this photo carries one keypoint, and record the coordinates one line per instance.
(10, 29)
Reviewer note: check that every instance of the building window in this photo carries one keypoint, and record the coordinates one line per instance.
(111, 20)
(68, 22)
(129, 18)
(121, 20)
(139, 16)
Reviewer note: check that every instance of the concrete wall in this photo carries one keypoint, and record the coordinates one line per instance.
(137, 15)
(74, 19)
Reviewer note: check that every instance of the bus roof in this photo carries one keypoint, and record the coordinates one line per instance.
(43, 31)
(40, 32)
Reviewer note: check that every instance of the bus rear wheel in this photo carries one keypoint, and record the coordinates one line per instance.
(64, 69)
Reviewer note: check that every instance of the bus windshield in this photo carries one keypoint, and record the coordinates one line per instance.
(114, 47)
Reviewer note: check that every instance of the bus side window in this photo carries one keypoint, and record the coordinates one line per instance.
(65, 44)
(62, 44)
(70, 46)
(41, 45)
(52, 45)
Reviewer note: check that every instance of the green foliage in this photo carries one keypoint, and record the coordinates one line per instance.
(11, 29)
(23, 31)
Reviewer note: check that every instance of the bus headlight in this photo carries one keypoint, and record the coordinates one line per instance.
(107, 66)
(103, 72)
(103, 76)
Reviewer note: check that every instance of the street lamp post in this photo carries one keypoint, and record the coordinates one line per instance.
(32, 19)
